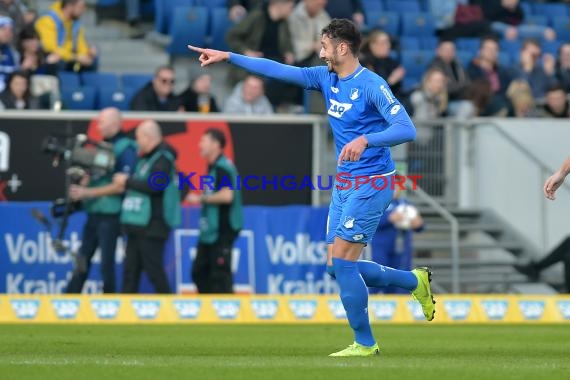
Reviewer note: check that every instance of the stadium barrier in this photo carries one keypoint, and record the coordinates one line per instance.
(127, 309)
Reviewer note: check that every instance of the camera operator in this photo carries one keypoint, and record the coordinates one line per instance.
(150, 209)
(102, 201)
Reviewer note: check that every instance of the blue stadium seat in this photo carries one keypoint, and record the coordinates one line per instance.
(551, 47)
(79, 98)
(562, 27)
(410, 83)
(416, 61)
(163, 16)
(120, 99)
(510, 47)
(190, 25)
(550, 11)
(220, 24)
(428, 42)
(504, 58)
(527, 9)
(68, 79)
(386, 21)
(410, 43)
(135, 81)
(536, 20)
(211, 3)
(403, 6)
(372, 6)
(100, 80)
(107, 3)
(470, 44)
(417, 24)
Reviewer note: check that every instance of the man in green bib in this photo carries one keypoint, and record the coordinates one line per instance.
(102, 202)
(150, 210)
(221, 217)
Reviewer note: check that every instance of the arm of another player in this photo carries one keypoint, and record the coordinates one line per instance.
(305, 77)
(401, 129)
(556, 180)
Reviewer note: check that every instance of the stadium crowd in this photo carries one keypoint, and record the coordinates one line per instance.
(461, 58)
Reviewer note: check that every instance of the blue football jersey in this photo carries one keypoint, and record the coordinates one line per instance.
(358, 104)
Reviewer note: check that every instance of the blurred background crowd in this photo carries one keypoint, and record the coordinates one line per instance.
(459, 58)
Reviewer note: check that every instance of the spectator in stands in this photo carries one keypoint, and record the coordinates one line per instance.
(306, 23)
(198, 96)
(458, 18)
(430, 101)
(349, 9)
(17, 94)
(457, 79)
(9, 57)
(238, 9)
(538, 75)
(563, 66)
(521, 99)
(556, 105)
(158, 94)
(486, 66)
(32, 57)
(264, 32)
(376, 57)
(248, 98)
(507, 18)
(61, 33)
(392, 245)
(15, 10)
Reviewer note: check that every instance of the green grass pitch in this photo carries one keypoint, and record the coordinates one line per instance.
(275, 352)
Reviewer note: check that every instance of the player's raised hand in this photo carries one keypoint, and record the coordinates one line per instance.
(353, 150)
(552, 184)
(209, 56)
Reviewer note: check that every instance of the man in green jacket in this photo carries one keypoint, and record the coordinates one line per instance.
(102, 202)
(221, 217)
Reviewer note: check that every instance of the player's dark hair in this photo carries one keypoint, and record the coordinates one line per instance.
(346, 31)
(217, 135)
(65, 3)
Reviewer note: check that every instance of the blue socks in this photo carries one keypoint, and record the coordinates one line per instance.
(379, 276)
(354, 297)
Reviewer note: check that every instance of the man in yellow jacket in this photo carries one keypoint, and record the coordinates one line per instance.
(61, 33)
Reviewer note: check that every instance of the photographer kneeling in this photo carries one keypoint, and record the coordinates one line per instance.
(150, 210)
(102, 201)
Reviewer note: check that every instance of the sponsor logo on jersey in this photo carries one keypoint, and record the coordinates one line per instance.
(265, 309)
(337, 309)
(457, 310)
(358, 237)
(146, 309)
(387, 94)
(354, 94)
(187, 309)
(303, 309)
(383, 310)
(495, 309)
(395, 109)
(338, 109)
(226, 309)
(25, 309)
(65, 309)
(531, 310)
(106, 309)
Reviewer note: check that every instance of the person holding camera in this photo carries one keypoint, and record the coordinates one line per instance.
(102, 201)
(150, 210)
(221, 218)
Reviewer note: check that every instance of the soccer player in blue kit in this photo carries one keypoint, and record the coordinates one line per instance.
(366, 120)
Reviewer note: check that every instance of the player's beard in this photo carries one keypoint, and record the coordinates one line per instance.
(331, 63)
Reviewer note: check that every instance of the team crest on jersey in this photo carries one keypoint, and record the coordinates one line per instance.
(354, 94)
(338, 109)
(334, 90)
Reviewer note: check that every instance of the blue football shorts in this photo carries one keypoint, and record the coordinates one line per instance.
(355, 209)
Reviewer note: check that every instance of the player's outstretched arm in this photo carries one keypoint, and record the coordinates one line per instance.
(556, 180)
(259, 66)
